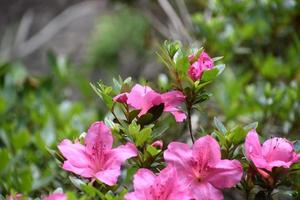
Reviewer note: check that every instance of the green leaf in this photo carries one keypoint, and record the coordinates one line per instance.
(71, 196)
(181, 61)
(160, 130)
(143, 136)
(297, 146)
(251, 126)
(78, 183)
(152, 115)
(209, 75)
(152, 150)
(212, 74)
(218, 58)
(219, 125)
(4, 155)
(221, 137)
(133, 114)
(172, 47)
(237, 135)
(134, 129)
(21, 139)
(104, 93)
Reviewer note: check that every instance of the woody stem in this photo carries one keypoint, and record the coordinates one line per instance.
(189, 113)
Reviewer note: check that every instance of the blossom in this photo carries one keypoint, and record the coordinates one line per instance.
(202, 168)
(197, 68)
(96, 158)
(275, 152)
(164, 186)
(56, 196)
(143, 98)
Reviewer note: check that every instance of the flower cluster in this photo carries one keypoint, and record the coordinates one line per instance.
(125, 152)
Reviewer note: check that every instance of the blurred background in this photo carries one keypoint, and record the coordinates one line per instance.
(51, 50)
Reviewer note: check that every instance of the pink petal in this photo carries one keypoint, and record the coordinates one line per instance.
(207, 150)
(226, 174)
(252, 144)
(205, 191)
(179, 115)
(205, 61)
(99, 135)
(117, 156)
(78, 160)
(158, 144)
(137, 195)
(86, 172)
(143, 98)
(173, 98)
(171, 101)
(278, 149)
(56, 196)
(194, 71)
(180, 156)
(109, 176)
(121, 98)
(143, 179)
(17, 196)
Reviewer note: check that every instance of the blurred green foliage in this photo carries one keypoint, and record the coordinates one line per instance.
(123, 30)
(260, 43)
(34, 116)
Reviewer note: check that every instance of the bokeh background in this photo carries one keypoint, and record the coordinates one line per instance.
(51, 50)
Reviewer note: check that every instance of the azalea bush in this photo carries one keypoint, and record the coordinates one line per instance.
(127, 156)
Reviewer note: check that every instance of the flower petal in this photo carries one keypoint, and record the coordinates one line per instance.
(226, 174)
(121, 98)
(56, 196)
(78, 160)
(173, 98)
(109, 176)
(179, 155)
(117, 156)
(99, 135)
(205, 191)
(143, 98)
(254, 150)
(207, 150)
(252, 145)
(143, 179)
(278, 149)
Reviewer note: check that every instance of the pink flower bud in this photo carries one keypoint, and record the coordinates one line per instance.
(158, 144)
(121, 98)
(202, 64)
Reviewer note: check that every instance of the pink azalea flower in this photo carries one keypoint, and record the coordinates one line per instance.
(165, 186)
(202, 64)
(56, 196)
(143, 98)
(275, 152)
(97, 158)
(202, 167)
